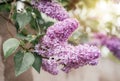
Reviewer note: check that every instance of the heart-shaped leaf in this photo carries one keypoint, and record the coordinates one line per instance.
(23, 61)
(10, 46)
(23, 19)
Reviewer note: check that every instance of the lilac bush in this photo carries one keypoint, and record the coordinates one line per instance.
(47, 45)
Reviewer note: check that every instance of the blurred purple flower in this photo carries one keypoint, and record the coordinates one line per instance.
(111, 42)
(116, 1)
(51, 8)
(101, 38)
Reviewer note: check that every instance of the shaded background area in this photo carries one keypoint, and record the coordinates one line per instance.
(98, 16)
(7, 66)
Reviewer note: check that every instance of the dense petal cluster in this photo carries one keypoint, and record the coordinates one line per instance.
(57, 34)
(52, 9)
(62, 30)
(77, 56)
(55, 48)
(50, 66)
(70, 57)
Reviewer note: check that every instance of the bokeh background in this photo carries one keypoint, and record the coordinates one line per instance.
(95, 17)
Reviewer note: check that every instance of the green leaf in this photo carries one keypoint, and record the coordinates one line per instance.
(23, 61)
(37, 63)
(10, 46)
(23, 19)
(28, 38)
(21, 36)
(5, 7)
(33, 24)
(48, 24)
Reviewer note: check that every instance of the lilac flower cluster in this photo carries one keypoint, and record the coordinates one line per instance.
(112, 43)
(78, 56)
(62, 30)
(70, 57)
(51, 8)
(57, 34)
(55, 48)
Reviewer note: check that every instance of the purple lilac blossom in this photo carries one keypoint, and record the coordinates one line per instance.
(70, 57)
(62, 30)
(55, 35)
(50, 66)
(56, 50)
(67, 55)
(111, 42)
(78, 56)
(51, 8)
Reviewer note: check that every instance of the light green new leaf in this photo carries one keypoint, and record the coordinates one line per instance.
(10, 46)
(23, 61)
(37, 63)
(23, 19)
